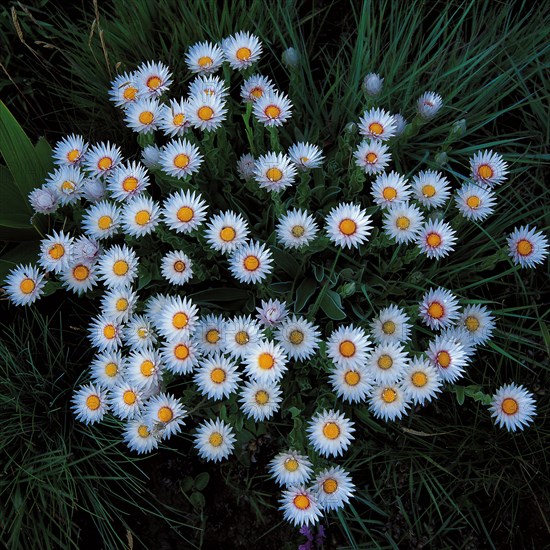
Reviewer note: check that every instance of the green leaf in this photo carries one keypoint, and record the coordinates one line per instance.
(331, 304)
(23, 253)
(285, 261)
(304, 293)
(197, 499)
(459, 391)
(201, 481)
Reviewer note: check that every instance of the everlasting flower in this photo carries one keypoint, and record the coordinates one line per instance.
(255, 87)
(488, 168)
(377, 124)
(107, 369)
(475, 202)
(127, 181)
(242, 333)
(386, 363)
(290, 468)
(429, 104)
(421, 381)
(260, 400)
(448, 356)
(124, 90)
(85, 250)
(273, 108)
(180, 158)
(90, 404)
(348, 346)
(300, 506)
(68, 184)
(476, 323)
(184, 211)
(126, 401)
(150, 156)
(274, 172)
(210, 334)
(178, 318)
(272, 312)
(164, 415)
(217, 377)
(180, 356)
(56, 251)
(140, 216)
(403, 222)
(431, 189)
(333, 487)
(118, 303)
(226, 232)
(241, 50)
(105, 334)
(246, 166)
(79, 276)
(101, 221)
(102, 159)
(390, 189)
(173, 119)
(44, 200)
(204, 57)
(298, 337)
(513, 407)
(330, 433)
(144, 369)
(372, 156)
(139, 333)
(251, 263)
(70, 151)
(391, 325)
(24, 285)
(348, 225)
(296, 229)
(208, 85)
(153, 79)
(439, 308)
(214, 440)
(265, 362)
(206, 111)
(305, 156)
(436, 239)
(139, 437)
(176, 267)
(527, 247)
(143, 116)
(372, 84)
(388, 401)
(118, 266)
(351, 383)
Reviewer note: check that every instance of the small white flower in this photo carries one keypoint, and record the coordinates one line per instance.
(176, 267)
(144, 369)
(296, 229)
(390, 189)
(140, 216)
(44, 200)
(217, 376)
(448, 356)
(488, 168)
(251, 263)
(56, 251)
(206, 111)
(180, 356)
(69, 151)
(436, 239)
(102, 159)
(348, 225)
(180, 158)
(377, 124)
(210, 334)
(153, 79)
(438, 308)
(246, 166)
(241, 50)
(300, 506)
(242, 334)
(333, 487)
(476, 323)
(388, 401)
(255, 87)
(372, 84)
(68, 184)
(139, 437)
(204, 57)
(173, 121)
(226, 232)
(90, 404)
(105, 334)
(118, 266)
(386, 363)
(272, 312)
(475, 202)
(351, 383)
(513, 407)
(305, 156)
(330, 433)
(124, 90)
(209, 85)
(429, 104)
(150, 156)
(298, 337)
(391, 325)
(143, 116)
(107, 369)
(214, 440)
(403, 222)
(127, 181)
(527, 247)
(178, 318)
(94, 189)
(184, 211)
(101, 220)
(273, 108)
(86, 251)
(421, 381)
(372, 156)
(431, 189)
(126, 401)
(164, 415)
(260, 400)
(274, 172)
(348, 346)
(24, 285)
(290, 468)
(118, 303)
(79, 276)
(266, 362)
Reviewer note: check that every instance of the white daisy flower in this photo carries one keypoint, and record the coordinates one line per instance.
(139, 333)
(421, 381)
(429, 104)
(86, 250)
(372, 84)
(176, 267)
(377, 124)
(143, 116)
(180, 356)
(118, 303)
(290, 468)
(272, 109)
(209, 85)
(101, 220)
(24, 285)
(403, 222)
(260, 400)
(94, 189)
(266, 362)
(173, 119)
(153, 79)
(107, 369)
(476, 323)
(474, 202)
(210, 334)
(184, 211)
(90, 404)
(431, 189)
(242, 334)
(438, 308)
(164, 415)
(140, 216)
(105, 334)
(251, 262)
(372, 156)
(79, 276)
(55, 251)
(127, 181)
(387, 362)
(348, 225)
(305, 156)
(274, 171)
(272, 312)
(226, 232)
(241, 50)
(117, 266)
(348, 346)
(330, 433)
(150, 156)
(217, 376)
(68, 183)
(388, 401)
(206, 111)
(390, 189)
(488, 168)
(102, 159)
(400, 123)
(246, 166)
(214, 440)
(180, 158)
(296, 228)
(527, 247)
(436, 239)
(447, 355)
(126, 401)
(513, 407)
(139, 437)
(124, 90)
(144, 369)
(333, 487)
(155, 305)
(300, 506)
(69, 151)
(204, 57)
(44, 200)
(255, 87)
(391, 326)
(298, 337)
(350, 383)
(178, 318)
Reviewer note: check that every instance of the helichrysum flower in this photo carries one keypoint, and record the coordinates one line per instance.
(126, 401)
(101, 220)
(118, 266)
(118, 303)
(153, 78)
(330, 433)
(206, 111)
(144, 369)
(139, 333)
(290, 468)
(298, 337)
(439, 308)
(68, 183)
(107, 369)
(388, 401)
(266, 362)
(90, 404)
(242, 333)
(102, 159)
(260, 400)
(429, 104)
(513, 407)
(372, 84)
(348, 225)
(391, 325)
(274, 171)
(217, 376)
(79, 276)
(421, 381)
(56, 251)
(184, 211)
(255, 87)
(210, 334)
(272, 312)
(386, 363)
(372, 156)
(127, 181)
(351, 383)
(475, 202)
(488, 168)
(348, 346)
(447, 355)
(180, 356)
(390, 189)
(94, 189)
(164, 415)
(214, 440)
(333, 487)
(180, 158)
(140, 216)
(241, 50)
(226, 232)
(24, 285)
(296, 229)
(400, 123)
(150, 156)
(300, 506)
(176, 267)
(476, 323)
(44, 200)
(204, 57)
(251, 262)
(105, 334)
(178, 318)
(143, 116)
(273, 108)
(139, 437)
(377, 124)
(305, 156)
(436, 239)
(403, 222)
(124, 90)
(209, 85)
(70, 151)
(246, 166)
(173, 119)
(527, 247)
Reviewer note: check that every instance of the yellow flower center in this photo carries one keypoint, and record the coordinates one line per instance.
(352, 378)
(303, 160)
(121, 267)
(143, 431)
(80, 272)
(143, 217)
(27, 286)
(389, 395)
(331, 430)
(443, 359)
(73, 155)
(217, 375)
(485, 171)
(105, 163)
(433, 240)
(147, 367)
(371, 158)
(179, 266)
(376, 128)
(181, 351)
(385, 362)
(105, 222)
(251, 263)
(130, 183)
(180, 320)
(109, 331)
(524, 247)
(129, 93)
(389, 193)
(419, 379)
(67, 186)
(242, 337)
(347, 227)
(257, 92)
(93, 403)
(402, 222)
(330, 486)
(473, 201)
(185, 214)
(272, 111)
(436, 310)
(129, 397)
(212, 336)
(121, 304)
(510, 406)
(243, 53)
(388, 327)
(205, 61)
(153, 82)
(142, 332)
(296, 337)
(347, 348)
(274, 174)
(261, 397)
(111, 370)
(215, 439)
(178, 119)
(266, 361)
(471, 323)
(227, 234)
(165, 414)
(291, 464)
(181, 160)
(146, 117)
(298, 231)
(428, 190)
(205, 112)
(301, 502)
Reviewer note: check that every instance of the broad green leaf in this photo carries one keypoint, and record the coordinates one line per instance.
(331, 304)
(22, 253)
(304, 293)
(285, 261)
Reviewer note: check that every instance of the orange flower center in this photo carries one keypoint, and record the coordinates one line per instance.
(352, 378)
(524, 247)
(181, 351)
(433, 240)
(129, 397)
(56, 251)
(402, 222)
(473, 201)
(73, 155)
(385, 362)
(266, 361)
(436, 310)
(165, 414)
(347, 348)
(129, 93)
(143, 217)
(111, 369)
(217, 375)
(147, 368)
(371, 158)
(389, 193)
(331, 430)
(153, 82)
(376, 128)
(428, 190)
(291, 464)
(146, 117)
(388, 327)
(80, 272)
(215, 439)
(105, 163)
(419, 379)
(389, 395)
(347, 227)
(92, 402)
(261, 397)
(301, 502)
(130, 183)
(485, 171)
(272, 111)
(227, 234)
(120, 267)
(296, 337)
(257, 92)
(274, 174)
(178, 119)
(510, 406)
(243, 53)
(330, 486)
(205, 61)
(298, 231)
(251, 263)
(181, 160)
(105, 222)
(179, 266)
(443, 359)
(212, 336)
(143, 431)
(121, 304)
(185, 214)
(180, 320)
(109, 331)
(205, 112)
